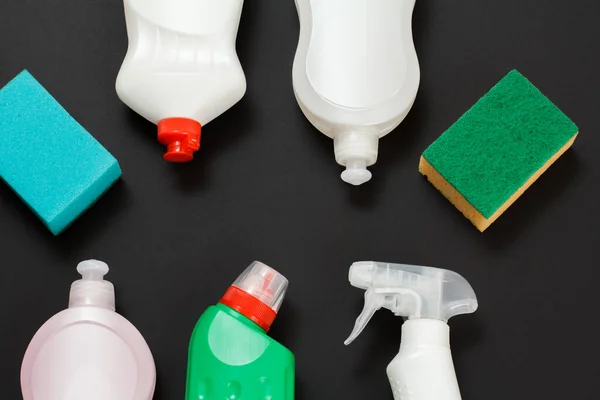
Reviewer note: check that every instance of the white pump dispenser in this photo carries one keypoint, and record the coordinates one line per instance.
(356, 74)
(428, 297)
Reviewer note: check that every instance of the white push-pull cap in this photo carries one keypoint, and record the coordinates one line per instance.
(92, 270)
(356, 150)
(92, 290)
(356, 172)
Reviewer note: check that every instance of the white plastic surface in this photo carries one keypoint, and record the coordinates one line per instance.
(355, 74)
(264, 283)
(423, 369)
(88, 351)
(181, 60)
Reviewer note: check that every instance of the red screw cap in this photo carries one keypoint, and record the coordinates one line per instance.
(181, 136)
(250, 307)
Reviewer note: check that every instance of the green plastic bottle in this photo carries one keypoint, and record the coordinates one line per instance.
(231, 357)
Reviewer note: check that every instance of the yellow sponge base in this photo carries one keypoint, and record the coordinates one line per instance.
(465, 207)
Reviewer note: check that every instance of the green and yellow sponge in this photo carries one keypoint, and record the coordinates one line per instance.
(497, 149)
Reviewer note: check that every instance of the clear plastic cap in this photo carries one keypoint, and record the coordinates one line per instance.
(264, 283)
(92, 290)
(410, 291)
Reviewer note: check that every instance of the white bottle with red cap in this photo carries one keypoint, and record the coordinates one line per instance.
(230, 355)
(181, 70)
(88, 351)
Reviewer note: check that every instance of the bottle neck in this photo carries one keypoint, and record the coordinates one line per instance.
(425, 332)
(360, 145)
(86, 293)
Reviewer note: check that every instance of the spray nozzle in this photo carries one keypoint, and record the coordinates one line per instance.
(410, 291)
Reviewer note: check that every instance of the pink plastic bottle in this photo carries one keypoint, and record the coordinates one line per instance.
(88, 351)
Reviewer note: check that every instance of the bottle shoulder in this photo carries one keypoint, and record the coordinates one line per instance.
(224, 332)
(94, 344)
(107, 327)
(86, 315)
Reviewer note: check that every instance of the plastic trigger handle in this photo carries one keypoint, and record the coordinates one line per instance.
(373, 302)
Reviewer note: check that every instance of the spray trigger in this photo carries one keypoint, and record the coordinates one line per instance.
(373, 302)
(410, 291)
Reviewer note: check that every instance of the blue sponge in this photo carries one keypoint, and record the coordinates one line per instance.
(47, 158)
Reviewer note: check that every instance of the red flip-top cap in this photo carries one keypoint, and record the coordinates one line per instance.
(181, 136)
(257, 294)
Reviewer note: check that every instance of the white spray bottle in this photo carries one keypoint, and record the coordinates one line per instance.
(428, 297)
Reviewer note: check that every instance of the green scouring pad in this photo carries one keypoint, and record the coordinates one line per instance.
(497, 149)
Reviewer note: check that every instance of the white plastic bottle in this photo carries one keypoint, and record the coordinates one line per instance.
(88, 351)
(355, 74)
(428, 297)
(181, 70)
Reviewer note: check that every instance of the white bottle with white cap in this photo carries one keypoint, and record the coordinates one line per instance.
(356, 74)
(88, 351)
(428, 297)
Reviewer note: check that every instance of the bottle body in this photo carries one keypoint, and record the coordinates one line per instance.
(181, 60)
(231, 356)
(181, 69)
(356, 72)
(88, 353)
(423, 369)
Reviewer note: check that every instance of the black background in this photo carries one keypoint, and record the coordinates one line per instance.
(265, 186)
